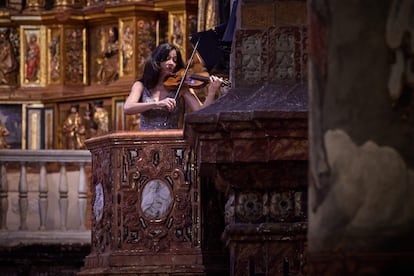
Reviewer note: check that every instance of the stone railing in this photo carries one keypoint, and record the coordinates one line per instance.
(41, 206)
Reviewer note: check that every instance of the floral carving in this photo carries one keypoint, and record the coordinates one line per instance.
(281, 205)
(249, 206)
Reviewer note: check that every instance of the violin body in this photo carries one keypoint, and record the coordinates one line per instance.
(197, 80)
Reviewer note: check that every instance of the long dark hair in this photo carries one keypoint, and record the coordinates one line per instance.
(152, 67)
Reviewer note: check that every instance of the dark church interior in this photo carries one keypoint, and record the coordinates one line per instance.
(302, 165)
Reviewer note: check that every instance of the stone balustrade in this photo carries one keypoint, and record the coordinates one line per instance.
(41, 206)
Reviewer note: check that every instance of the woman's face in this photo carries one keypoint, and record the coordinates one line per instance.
(168, 65)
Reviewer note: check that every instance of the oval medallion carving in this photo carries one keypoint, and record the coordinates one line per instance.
(98, 205)
(156, 199)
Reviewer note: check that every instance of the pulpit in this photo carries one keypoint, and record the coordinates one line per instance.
(146, 207)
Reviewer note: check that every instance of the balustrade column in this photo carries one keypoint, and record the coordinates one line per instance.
(63, 196)
(82, 196)
(4, 202)
(23, 201)
(39, 159)
(43, 189)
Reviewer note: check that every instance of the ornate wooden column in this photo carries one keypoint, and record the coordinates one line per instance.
(146, 207)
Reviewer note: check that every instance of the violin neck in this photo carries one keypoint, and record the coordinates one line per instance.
(200, 78)
(207, 79)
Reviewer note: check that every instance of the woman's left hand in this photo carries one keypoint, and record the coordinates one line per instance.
(214, 85)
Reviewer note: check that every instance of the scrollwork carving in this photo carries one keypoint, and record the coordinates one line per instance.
(102, 227)
(156, 205)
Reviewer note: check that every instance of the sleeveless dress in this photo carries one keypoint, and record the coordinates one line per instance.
(159, 118)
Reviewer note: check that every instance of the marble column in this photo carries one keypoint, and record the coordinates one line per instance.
(361, 179)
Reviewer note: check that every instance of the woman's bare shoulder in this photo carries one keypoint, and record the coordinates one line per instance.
(138, 84)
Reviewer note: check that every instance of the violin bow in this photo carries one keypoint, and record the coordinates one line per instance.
(186, 69)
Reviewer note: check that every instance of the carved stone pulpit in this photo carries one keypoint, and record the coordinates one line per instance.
(146, 207)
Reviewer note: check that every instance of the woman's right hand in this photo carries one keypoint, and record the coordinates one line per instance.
(168, 103)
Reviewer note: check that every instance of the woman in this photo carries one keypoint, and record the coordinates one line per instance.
(156, 104)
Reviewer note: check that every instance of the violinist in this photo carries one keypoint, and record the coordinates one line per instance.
(160, 106)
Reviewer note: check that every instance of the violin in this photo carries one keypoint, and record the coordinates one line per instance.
(197, 80)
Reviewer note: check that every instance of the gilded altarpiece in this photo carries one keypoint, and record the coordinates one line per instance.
(120, 50)
(104, 54)
(9, 57)
(146, 41)
(85, 108)
(75, 64)
(54, 56)
(145, 205)
(33, 56)
(181, 26)
(178, 30)
(127, 38)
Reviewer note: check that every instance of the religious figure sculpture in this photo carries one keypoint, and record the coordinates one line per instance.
(8, 63)
(90, 125)
(54, 49)
(74, 129)
(32, 59)
(73, 55)
(127, 49)
(101, 118)
(3, 133)
(108, 59)
(177, 37)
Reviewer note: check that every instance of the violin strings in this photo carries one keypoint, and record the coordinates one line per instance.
(183, 78)
(186, 69)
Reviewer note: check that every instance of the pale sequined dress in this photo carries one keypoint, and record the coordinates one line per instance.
(159, 118)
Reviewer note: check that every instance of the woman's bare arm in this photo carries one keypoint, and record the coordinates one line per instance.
(194, 102)
(133, 106)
